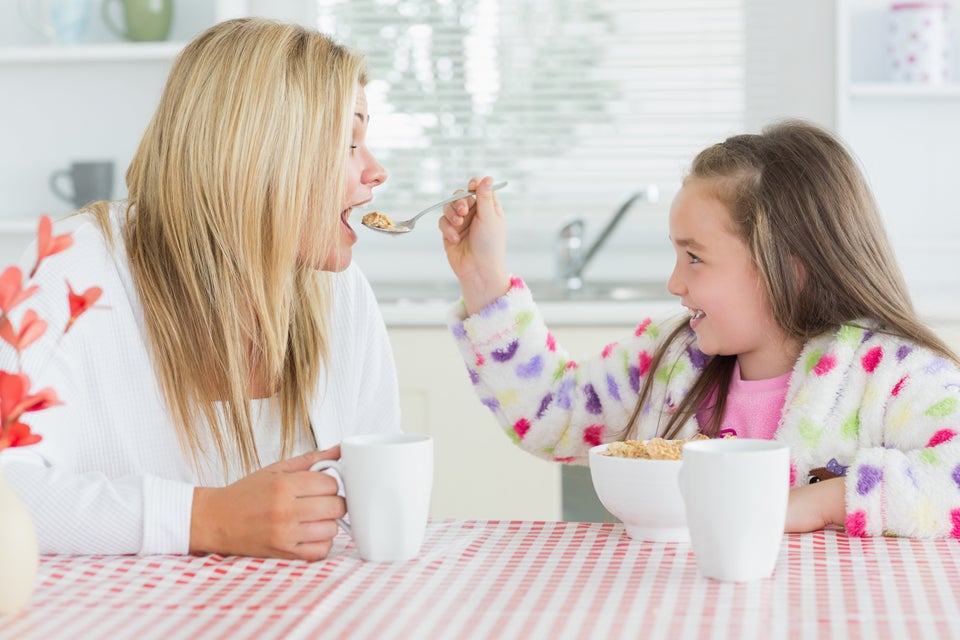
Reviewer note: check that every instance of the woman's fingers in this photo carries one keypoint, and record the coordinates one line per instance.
(270, 512)
(319, 531)
(312, 551)
(316, 508)
(304, 461)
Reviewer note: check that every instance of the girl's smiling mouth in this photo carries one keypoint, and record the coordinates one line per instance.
(696, 315)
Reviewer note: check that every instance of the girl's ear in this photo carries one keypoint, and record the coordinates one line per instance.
(799, 272)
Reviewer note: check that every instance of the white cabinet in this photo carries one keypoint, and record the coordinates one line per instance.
(907, 137)
(479, 472)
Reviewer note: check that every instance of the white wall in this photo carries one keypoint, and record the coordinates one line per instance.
(790, 61)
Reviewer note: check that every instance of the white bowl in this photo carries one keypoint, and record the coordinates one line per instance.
(643, 494)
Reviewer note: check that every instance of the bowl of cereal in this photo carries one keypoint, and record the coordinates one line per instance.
(636, 480)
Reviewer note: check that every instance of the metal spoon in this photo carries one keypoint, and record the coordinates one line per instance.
(406, 226)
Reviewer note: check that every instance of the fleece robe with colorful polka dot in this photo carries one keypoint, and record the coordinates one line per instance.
(883, 408)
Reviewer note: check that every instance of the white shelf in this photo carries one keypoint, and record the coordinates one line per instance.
(903, 90)
(18, 226)
(26, 225)
(94, 52)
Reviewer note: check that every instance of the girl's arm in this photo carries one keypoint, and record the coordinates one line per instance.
(548, 404)
(475, 239)
(906, 482)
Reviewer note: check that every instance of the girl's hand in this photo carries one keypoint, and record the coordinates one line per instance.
(814, 506)
(281, 511)
(475, 239)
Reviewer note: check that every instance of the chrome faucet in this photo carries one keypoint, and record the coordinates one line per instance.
(572, 259)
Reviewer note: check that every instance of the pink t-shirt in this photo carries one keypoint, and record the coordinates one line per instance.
(753, 406)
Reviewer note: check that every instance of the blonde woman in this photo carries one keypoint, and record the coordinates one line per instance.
(240, 344)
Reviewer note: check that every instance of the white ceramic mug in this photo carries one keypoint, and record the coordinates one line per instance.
(735, 492)
(60, 21)
(387, 480)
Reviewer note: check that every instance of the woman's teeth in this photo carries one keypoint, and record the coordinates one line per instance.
(696, 315)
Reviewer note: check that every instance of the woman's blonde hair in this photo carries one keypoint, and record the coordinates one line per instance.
(800, 204)
(244, 156)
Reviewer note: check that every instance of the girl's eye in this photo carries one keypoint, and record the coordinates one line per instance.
(693, 259)
(353, 146)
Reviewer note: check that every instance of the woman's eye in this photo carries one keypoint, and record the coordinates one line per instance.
(693, 259)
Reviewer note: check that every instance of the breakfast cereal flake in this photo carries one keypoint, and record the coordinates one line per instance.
(377, 220)
(654, 449)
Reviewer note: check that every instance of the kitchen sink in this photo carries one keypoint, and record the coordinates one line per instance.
(543, 291)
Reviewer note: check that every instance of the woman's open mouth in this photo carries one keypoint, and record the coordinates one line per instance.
(344, 215)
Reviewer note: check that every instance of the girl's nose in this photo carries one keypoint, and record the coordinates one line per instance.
(675, 284)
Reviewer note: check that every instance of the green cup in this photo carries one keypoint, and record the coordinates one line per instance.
(145, 20)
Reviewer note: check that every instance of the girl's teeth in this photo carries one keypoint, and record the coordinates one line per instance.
(699, 314)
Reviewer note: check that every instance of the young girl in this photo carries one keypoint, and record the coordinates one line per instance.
(800, 329)
(237, 337)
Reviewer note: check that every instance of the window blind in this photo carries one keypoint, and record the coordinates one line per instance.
(577, 104)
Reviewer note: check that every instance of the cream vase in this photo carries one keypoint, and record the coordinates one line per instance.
(19, 554)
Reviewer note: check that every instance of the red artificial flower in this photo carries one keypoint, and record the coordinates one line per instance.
(31, 328)
(17, 435)
(47, 243)
(79, 303)
(15, 398)
(12, 292)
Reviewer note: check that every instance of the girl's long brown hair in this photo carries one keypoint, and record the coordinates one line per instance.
(797, 198)
(244, 156)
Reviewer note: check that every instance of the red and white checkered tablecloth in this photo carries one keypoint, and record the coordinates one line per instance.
(479, 579)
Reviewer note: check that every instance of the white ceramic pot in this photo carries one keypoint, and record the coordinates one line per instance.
(19, 554)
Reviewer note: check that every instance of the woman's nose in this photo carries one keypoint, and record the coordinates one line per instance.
(374, 174)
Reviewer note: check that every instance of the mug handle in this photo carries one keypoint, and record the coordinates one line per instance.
(333, 465)
(55, 186)
(108, 19)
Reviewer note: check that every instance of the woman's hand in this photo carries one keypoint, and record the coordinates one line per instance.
(281, 511)
(475, 239)
(814, 506)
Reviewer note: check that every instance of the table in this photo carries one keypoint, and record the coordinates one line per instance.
(506, 579)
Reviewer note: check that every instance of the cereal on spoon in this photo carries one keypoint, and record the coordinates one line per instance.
(377, 220)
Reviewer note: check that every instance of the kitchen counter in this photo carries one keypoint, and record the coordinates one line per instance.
(433, 313)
